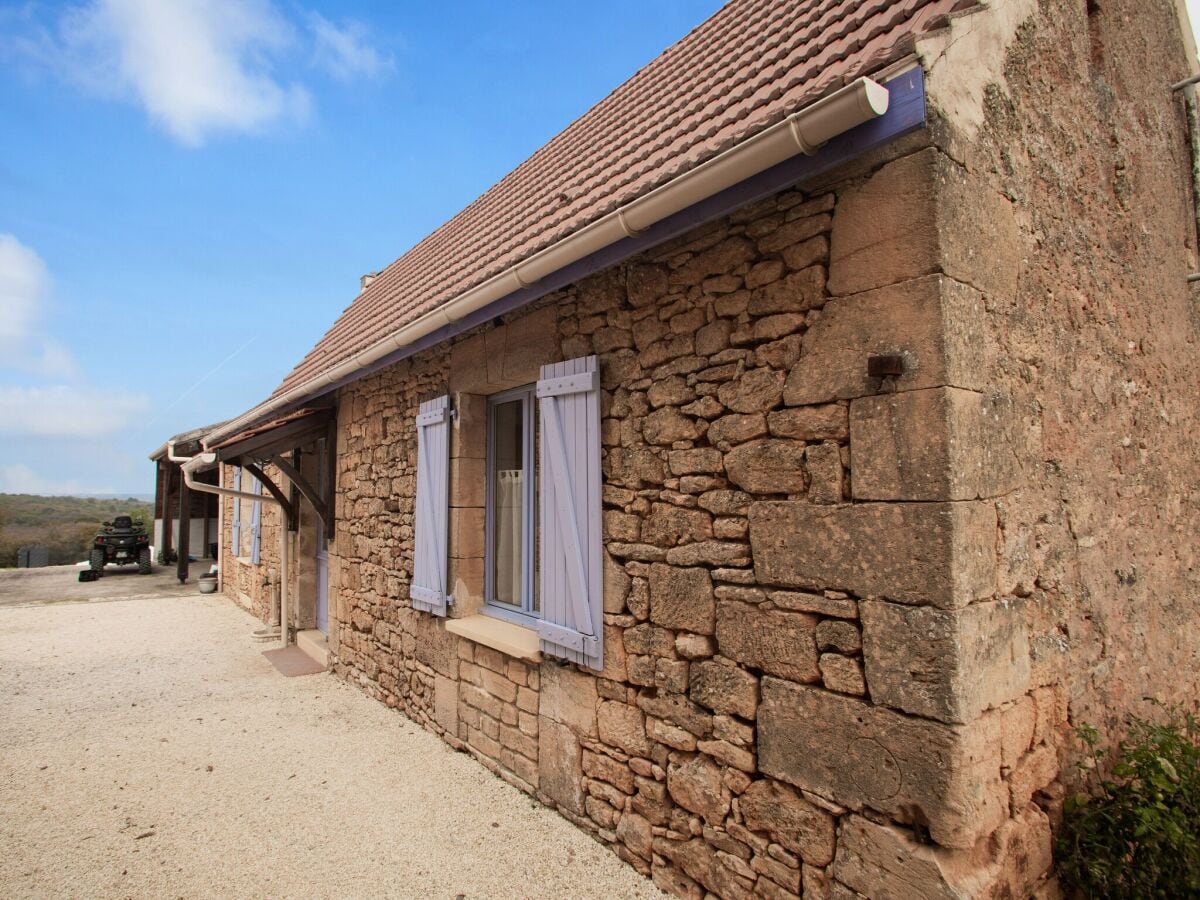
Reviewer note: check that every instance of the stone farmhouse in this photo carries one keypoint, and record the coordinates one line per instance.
(770, 472)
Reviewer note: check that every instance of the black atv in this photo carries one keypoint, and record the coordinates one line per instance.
(122, 542)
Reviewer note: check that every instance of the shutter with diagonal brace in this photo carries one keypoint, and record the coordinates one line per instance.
(428, 591)
(235, 545)
(256, 526)
(569, 521)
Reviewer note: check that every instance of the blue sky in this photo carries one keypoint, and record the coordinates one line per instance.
(190, 189)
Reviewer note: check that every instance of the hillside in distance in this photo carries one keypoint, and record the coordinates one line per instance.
(64, 524)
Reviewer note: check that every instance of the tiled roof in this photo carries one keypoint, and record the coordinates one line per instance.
(745, 68)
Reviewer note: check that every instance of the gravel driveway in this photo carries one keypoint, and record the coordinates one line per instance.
(147, 749)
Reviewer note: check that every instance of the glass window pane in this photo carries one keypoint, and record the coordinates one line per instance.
(508, 493)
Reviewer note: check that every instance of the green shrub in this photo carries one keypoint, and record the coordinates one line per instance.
(1137, 832)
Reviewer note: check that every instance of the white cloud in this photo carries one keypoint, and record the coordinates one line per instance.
(346, 52)
(68, 411)
(25, 295)
(196, 66)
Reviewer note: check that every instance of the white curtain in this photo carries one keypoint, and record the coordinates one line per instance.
(509, 534)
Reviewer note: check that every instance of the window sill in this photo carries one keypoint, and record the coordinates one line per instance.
(510, 639)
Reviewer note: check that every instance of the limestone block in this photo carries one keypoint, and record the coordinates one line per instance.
(729, 431)
(678, 710)
(777, 642)
(616, 585)
(811, 423)
(942, 554)
(466, 584)
(843, 674)
(506, 356)
(682, 598)
(468, 482)
(922, 214)
(884, 861)
(530, 343)
(711, 553)
(668, 525)
(560, 767)
(645, 284)
(624, 727)
(935, 323)
(945, 777)
(569, 697)
(667, 425)
(445, 703)
(634, 832)
(823, 462)
(949, 665)
(790, 820)
(1036, 769)
(672, 391)
(724, 688)
(716, 260)
(936, 444)
(796, 292)
(696, 786)
(754, 391)
(468, 429)
(467, 531)
(622, 466)
(767, 466)
(699, 461)
(840, 636)
(435, 646)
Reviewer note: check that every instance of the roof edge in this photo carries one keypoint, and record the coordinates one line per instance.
(806, 143)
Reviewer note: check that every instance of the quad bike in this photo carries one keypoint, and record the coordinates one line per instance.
(122, 543)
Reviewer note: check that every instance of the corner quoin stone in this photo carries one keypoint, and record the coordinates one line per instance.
(946, 777)
(935, 323)
(949, 665)
(939, 554)
(920, 214)
(936, 444)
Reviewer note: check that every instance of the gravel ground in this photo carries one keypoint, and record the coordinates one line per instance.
(147, 749)
(61, 584)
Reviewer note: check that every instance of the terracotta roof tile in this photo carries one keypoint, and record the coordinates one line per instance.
(745, 68)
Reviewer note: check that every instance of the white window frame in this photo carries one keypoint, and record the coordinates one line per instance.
(524, 613)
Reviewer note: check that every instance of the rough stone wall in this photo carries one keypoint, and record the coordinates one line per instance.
(755, 703)
(254, 587)
(849, 620)
(1096, 347)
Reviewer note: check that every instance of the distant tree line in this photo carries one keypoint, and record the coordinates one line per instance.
(66, 525)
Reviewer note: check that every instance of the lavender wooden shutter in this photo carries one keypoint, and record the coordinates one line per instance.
(569, 520)
(236, 542)
(256, 526)
(428, 590)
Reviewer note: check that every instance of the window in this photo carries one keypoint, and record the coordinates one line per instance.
(509, 588)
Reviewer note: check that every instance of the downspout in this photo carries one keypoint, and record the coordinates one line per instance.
(802, 132)
(187, 466)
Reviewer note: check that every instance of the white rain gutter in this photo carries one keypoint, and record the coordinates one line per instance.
(802, 132)
(188, 465)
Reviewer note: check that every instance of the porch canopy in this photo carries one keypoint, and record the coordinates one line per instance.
(278, 443)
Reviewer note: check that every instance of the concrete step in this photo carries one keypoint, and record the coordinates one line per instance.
(315, 644)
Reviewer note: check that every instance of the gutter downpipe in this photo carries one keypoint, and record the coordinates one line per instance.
(802, 132)
(188, 465)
